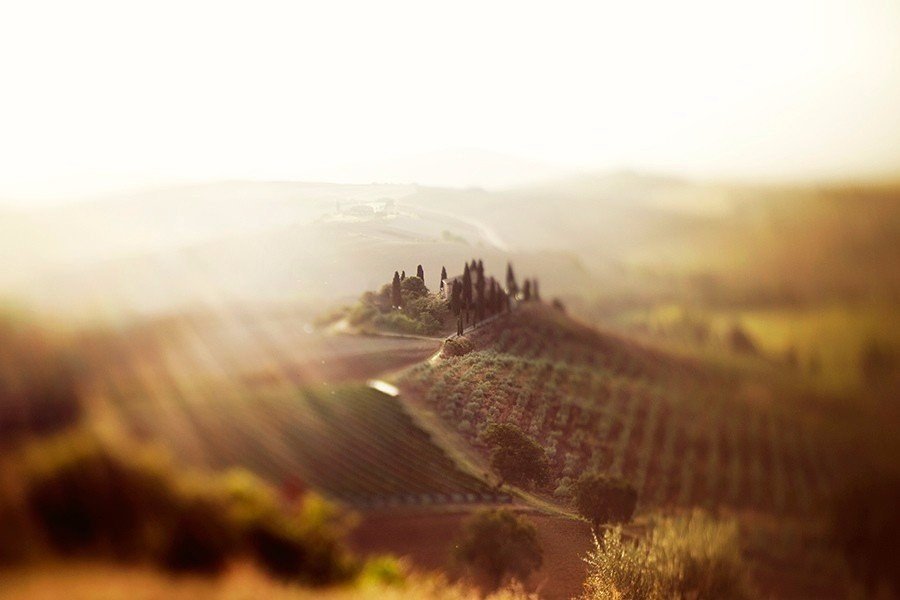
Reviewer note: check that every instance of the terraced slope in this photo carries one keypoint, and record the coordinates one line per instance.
(189, 386)
(683, 433)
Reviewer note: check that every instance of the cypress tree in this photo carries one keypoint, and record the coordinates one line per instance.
(534, 290)
(396, 297)
(511, 287)
(420, 273)
(467, 291)
(455, 292)
(402, 275)
(479, 292)
(492, 297)
(443, 273)
(526, 291)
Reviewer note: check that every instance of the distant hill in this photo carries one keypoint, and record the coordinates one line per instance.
(620, 236)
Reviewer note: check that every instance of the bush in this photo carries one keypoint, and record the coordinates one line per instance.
(602, 499)
(497, 543)
(683, 557)
(398, 322)
(516, 457)
(458, 346)
(412, 288)
(90, 499)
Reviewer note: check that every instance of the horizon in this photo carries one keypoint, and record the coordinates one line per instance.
(73, 192)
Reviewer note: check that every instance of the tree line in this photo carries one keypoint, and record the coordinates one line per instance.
(471, 297)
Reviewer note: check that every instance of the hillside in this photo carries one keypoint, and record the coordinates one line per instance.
(684, 433)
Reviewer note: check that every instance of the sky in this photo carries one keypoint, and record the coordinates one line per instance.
(102, 95)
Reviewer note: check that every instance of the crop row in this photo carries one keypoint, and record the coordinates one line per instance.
(683, 444)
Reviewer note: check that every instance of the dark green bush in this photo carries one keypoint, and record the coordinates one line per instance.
(516, 457)
(602, 499)
(497, 543)
(82, 497)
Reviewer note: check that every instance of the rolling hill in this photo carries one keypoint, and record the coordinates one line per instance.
(685, 433)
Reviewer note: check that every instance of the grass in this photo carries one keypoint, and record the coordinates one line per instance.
(691, 556)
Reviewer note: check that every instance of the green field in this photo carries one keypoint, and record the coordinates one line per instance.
(192, 387)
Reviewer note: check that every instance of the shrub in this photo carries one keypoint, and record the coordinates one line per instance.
(497, 543)
(602, 499)
(458, 346)
(88, 498)
(413, 287)
(516, 457)
(683, 557)
(398, 322)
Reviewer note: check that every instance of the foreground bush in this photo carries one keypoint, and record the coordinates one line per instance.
(683, 557)
(76, 496)
(497, 543)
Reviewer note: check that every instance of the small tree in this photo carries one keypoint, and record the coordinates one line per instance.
(467, 291)
(420, 272)
(443, 273)
(512, 287)
(479, 292)
(516, 457)
(402, 275)
(526, 290)
(396, 297)
(497, 543)
(602, 499)
(455, 297)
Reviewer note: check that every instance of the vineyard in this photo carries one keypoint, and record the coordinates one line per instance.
(682, 433)
(223, 393)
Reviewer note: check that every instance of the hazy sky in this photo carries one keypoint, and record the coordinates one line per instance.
(96, 95)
